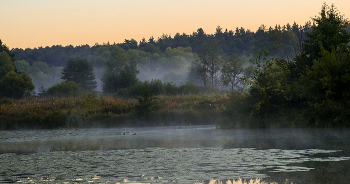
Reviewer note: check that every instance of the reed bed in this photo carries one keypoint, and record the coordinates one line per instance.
(93, 111)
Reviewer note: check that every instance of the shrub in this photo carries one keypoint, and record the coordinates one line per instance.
(146, 106)
(74, 121)
(238, 111)
(170, 88)
(55, 119)
(189, 88)
(156, 87)
(63, 89)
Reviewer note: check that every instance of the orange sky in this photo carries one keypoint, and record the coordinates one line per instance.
(44, 23)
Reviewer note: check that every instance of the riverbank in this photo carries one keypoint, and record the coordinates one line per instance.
(93, 111)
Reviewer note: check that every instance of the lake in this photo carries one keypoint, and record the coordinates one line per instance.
(187, 154)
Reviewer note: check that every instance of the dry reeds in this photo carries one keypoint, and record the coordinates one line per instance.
(109, 111)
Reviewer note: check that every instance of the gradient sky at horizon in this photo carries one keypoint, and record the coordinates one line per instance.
(35, 23)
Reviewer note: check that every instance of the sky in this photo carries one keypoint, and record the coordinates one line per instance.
(41, 23)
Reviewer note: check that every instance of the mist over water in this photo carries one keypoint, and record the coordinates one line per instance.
(187, 154)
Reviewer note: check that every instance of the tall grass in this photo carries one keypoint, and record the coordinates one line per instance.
(93, 111)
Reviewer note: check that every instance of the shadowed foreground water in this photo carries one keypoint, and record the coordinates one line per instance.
(194, 154)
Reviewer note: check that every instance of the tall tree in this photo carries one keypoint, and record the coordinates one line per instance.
(80, 71)
(16, 85)
(12, 84)
(208, 64)
(230, 73)
(4, 48)
(6, 64)
(268, 85)
(326, 86)
(121, 71)
(330, 31)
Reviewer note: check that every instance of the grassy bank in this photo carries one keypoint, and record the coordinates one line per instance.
(92, 111)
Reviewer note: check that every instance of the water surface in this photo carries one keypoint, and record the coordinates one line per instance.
(187, 154)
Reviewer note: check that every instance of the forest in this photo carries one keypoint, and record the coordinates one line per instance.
(283, 76)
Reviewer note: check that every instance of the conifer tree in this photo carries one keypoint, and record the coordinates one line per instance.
(80, 71)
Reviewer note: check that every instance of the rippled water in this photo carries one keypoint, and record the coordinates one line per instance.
(194, 154)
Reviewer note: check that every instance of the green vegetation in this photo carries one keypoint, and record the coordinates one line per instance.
(208, 64)
(310, 91)
(93, 111)
(121, 71)
(40, 73)
(12, 84)
(231, 72)
(299, 78)
(80, 71)
(63, 89)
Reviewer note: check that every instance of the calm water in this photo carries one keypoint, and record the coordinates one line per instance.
(191, 154)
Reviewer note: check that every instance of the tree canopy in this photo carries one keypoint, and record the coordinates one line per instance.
(80, 71)
(12, 84)
(208, 64)
(329, 30)
(231, 72)
(121, 71)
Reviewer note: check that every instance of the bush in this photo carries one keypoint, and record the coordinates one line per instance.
(63, 89)
(5, 100)
(16, 85)
(119, 108)
(170, 88)
(55, 119)
(238, 112)
(156, 87)
(189, 88)
(74, 121)
(146, 106)
(135, 90)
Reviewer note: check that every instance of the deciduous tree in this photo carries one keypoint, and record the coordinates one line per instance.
(208, 64)
(121, 71)
(12, 84)
(15, 85)
(6, 64)
(230, 73)
(268, 85)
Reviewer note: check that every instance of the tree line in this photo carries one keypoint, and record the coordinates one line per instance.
(298, 71)
(283, 42)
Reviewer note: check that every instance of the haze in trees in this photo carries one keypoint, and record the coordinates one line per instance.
(231, 72)
(121, 71)
(268, 86)
(302, 82)
(40, 73)
(208, 64)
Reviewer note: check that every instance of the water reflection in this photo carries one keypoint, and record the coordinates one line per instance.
(179, 165)
(173, 155)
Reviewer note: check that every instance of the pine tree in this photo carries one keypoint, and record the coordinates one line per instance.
(80, 71)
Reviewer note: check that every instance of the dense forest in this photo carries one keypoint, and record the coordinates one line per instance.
(282, 76)
(283, 42)
(167, 58)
